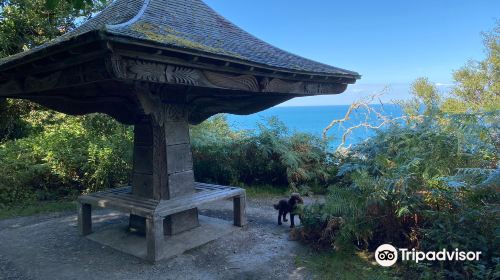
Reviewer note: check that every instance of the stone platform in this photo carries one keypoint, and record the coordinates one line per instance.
(153, 218)
(120, 238)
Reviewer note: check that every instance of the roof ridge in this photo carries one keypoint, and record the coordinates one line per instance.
(132, 20)
(193, 26)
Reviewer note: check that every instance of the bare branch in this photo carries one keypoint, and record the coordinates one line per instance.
(370, 111)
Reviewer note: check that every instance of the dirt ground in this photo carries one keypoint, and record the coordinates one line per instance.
(48, 247)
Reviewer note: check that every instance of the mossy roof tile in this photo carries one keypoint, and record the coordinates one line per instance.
(189, 25)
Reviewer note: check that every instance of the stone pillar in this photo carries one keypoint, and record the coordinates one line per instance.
(163, 166)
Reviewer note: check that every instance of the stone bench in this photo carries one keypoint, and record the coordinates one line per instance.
(155, 211)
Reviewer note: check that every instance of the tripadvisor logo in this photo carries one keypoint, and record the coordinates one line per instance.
(387, 255)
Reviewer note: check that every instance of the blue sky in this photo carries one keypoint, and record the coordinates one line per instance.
(390, 43)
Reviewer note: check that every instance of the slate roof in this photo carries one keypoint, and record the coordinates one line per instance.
(189, 25)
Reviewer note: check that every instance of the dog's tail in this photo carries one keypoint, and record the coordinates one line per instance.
(276, 206)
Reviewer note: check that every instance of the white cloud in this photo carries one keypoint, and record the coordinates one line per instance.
(443, 85)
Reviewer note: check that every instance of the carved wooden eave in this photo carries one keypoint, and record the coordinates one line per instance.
(101, 80)
(167, 70)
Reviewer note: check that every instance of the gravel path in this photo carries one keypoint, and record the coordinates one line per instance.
(48, 247)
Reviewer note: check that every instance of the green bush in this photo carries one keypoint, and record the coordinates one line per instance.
(268, 156)
(12, 126)
(418, 187)
(68, 156)
(428, 185)
(64, 156)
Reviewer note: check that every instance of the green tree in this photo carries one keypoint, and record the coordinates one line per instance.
(426, 98)
(477, 84)
(25, 24)
(77, 4)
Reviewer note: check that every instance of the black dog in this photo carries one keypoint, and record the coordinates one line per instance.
(288, 206)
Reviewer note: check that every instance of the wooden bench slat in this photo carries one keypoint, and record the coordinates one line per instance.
(132, 199)
(209, 186)
(186, 198)
(203, 187)
(118, 205)
(127, 193)
(122, 199)
(181, 200)
(166, 211)
(143, 200)
(116, 199)
(117, 190)
(168, 207)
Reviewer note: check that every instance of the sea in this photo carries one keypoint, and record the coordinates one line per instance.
(314, 119)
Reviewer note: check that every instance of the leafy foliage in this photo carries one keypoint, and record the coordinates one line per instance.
(12, 125)
(426, 186)
(477, 84)
(64, 156)
(429, 184)
(69, 156)
(25, 24)
(268, 156)
(76, 4)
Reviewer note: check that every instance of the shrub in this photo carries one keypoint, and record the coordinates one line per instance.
(424, 186)
(268, 156)
(68, 156)
(64, 156)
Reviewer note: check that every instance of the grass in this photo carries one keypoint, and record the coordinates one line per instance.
(38, 207)
(345, 266)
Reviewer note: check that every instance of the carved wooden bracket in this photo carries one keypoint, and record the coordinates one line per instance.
(152, 105)
(142, 70)
(93, 71)
(125, 87)
(157, 72)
